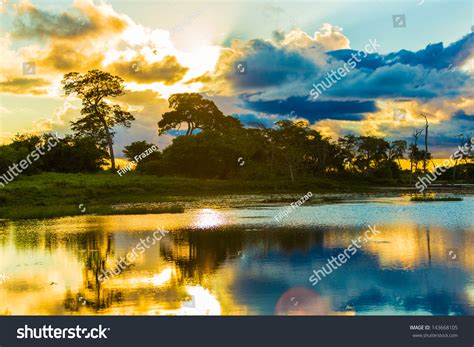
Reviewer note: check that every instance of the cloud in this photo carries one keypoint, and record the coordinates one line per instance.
(350, 110)
(329, 38)
(286, 66)
(89, 36)
(60, 122)
(35, 86)
(168, 70)
(250, 119)
(400, 81)
(461, 115)
(277, 71)
(147, 106)
(433, 56)
(66, 56)
(85, 21)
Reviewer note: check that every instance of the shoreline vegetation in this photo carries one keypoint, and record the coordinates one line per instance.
(211, 154)
(51, 195)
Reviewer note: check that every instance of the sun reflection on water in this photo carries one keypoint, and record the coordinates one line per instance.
(209, 218)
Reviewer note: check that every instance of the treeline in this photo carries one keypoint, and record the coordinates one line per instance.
(69, 154)
(210, 144)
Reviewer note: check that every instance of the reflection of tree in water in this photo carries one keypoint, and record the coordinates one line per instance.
(3, 232)
(201, 252)
(288, 240)
(26, 238)
(92, 249)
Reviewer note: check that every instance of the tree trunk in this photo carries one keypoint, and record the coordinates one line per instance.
(411, 167)
(111, 148)
(110, 142)
(291, 173)
(426, 148)
(454, 171)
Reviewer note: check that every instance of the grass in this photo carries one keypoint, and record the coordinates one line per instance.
(58, 194)
(50, 195)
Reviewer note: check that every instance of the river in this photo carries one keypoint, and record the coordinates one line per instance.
(243, 261)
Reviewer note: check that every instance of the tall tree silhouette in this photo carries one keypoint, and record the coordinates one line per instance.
(196, 112)
(98, 115)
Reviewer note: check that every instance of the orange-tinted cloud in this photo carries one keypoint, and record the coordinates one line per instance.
(65, 57)
(168, 70)
(34, 86)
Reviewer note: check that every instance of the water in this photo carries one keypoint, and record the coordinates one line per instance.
(243, 262)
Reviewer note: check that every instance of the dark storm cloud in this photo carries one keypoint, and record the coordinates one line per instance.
(278, 72)
(269, 65)
(313, 111)
(400, 80)
(434, 56)
(462, 116)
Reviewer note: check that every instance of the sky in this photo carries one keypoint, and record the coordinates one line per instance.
(260, 61)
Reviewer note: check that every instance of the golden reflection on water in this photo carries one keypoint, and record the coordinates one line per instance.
(408, 245)
(54, 265)
(209, 218)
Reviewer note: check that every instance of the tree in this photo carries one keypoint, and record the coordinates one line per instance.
(99, 116)
(371, 152)
(414, 152)
(425, 157)
(291, 139)
(21, 146)
(196, 112)
(397, 150)
(74, 154)
(347, 151)
(467, 144)
(70, 154)
(138, 147)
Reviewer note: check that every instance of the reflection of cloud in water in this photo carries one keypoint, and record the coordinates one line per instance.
(201, 303)
(163, 277)
(136, 281)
